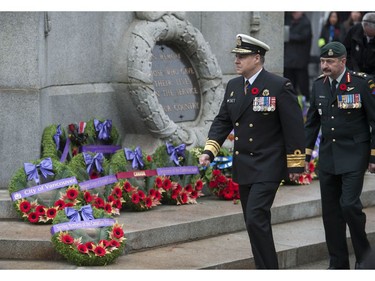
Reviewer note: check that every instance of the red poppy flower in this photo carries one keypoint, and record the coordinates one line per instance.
(99, 251)
(99, 202)
(25, 206)
(40, 210)
(89, 245)
(33, 217)
(167, 184)
(135, 198)
(104, 242)
(189, 188)
(94, 175)
(152, 192)
(67, 239)
(127, 186)
(118, 232)
(254, 91)
(343, 87)
(184, 198)
(111, 198)
(141, 194)
(72, 194)
(149, 158)
(148, 202)
(117, 191)
(51, 213)
(194, 194)
(108, 208)
(83, 248)
(114, 243)
(215, 173)
(159, 182)
(157, 195)
(199, 185)
(60, 204)
(88, 197)
(175, 194)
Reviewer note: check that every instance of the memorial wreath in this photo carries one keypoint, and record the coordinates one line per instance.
(87, 236)
(41, 188)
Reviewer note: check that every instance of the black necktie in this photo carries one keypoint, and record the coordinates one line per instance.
(333, 87)
(247, 87)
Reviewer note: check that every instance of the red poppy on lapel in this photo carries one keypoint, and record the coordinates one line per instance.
(254, 91)
(343, 87)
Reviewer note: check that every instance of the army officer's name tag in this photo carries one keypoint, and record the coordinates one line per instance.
(264, 104)
(231, 100)
(349, 101)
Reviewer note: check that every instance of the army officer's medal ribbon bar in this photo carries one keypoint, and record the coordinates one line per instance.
(349, 101)
(264, 104)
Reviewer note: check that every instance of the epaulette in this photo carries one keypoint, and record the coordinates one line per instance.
(320, 77)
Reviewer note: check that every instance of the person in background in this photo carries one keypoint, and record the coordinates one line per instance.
(297, 48)
(332, 30)
(342, 107)
(353, 19)
(263, 110)
(360, 45)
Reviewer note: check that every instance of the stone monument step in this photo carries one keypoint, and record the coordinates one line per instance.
(298, 243)
(169, 226)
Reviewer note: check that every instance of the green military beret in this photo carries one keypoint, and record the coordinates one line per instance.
(332, 50)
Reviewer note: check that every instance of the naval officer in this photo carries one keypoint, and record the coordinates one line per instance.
(269, 142)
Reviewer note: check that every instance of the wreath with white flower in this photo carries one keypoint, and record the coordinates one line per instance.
(41, 188)
(87, 236)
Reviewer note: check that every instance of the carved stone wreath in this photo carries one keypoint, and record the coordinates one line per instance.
(164, 27)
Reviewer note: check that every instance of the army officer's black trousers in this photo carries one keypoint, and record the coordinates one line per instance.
(341, 206)
(256, 201)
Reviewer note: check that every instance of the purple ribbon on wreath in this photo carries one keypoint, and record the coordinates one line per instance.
(95, 161)
(175, 152)
(136, 156)
(56, 137)
(45, 167)
(103, 128)
(83, 214)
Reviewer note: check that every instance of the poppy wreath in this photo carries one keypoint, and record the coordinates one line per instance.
(41, 188)
(180, 187)
(87, 236)
(88, 167)
(53, 142)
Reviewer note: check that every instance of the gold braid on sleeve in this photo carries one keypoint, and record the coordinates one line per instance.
(212, 146)
(295, 160)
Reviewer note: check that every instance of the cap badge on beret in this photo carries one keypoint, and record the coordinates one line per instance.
(330, 52)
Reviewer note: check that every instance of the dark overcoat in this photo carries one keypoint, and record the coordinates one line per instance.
(268, 129)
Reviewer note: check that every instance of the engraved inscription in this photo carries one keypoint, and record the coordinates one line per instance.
(175, 83)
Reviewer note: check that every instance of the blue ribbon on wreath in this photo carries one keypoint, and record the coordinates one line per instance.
(103, 129)
(45, 167)
(56, 137)
(136, 156)
(95, 161)
(222, 162)
(175, 152)
(83, 214)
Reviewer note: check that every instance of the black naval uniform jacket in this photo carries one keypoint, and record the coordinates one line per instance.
(269, 137)
(347, 144)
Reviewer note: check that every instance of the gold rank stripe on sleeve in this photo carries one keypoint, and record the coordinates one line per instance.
(308, 151)
(295, 160)
(372, 152)
(212, 146)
